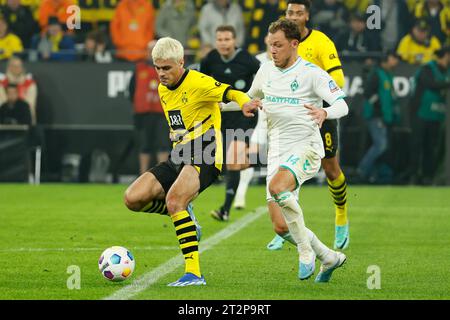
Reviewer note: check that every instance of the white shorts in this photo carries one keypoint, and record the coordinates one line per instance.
(259, 135)
(303, 162)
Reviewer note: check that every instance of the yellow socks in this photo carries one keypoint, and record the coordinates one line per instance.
(187, 237)
(338, 189)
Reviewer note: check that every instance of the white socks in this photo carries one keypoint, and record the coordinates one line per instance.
(293, 215)
(246, 177)
(323, 253)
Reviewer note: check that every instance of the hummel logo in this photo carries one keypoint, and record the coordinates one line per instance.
(189, 257)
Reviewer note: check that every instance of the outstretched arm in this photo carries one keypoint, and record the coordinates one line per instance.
(247, 105)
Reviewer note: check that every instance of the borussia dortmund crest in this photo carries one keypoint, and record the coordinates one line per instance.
(294, 85)
(184, 98)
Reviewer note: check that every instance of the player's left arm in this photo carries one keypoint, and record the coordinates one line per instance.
(249, 106)
(326, 88)
(331, 62)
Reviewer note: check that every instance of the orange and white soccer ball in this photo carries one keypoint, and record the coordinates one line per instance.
(116, 264)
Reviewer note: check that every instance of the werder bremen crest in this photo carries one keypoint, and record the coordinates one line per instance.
(294, 85)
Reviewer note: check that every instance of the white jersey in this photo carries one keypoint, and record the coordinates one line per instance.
(284, 94)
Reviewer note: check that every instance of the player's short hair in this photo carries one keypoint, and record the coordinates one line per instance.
(306, 3)
(168, 49)
(225, 28)
(289, 28)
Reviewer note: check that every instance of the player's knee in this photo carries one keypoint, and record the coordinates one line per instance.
(174, 203)
(132, 201)
(276, 188)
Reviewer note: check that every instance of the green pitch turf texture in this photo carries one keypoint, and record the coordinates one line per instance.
(45, 229)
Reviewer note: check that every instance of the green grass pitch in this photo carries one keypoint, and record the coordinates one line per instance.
(45, 229)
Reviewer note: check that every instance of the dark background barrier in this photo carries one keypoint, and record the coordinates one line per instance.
(84, 107)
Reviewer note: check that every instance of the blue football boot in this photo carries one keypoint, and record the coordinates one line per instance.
(188, 279)
(276, 243)
(342, 237)
(326, 270)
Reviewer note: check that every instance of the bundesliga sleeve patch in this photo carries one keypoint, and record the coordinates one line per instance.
(333, 86)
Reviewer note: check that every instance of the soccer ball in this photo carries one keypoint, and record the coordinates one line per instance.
(116, 264)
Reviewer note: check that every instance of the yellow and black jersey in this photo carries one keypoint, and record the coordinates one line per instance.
(192, 108)
(317, 48)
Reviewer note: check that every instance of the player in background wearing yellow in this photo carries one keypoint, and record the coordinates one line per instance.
(317, 48)
(190, 101)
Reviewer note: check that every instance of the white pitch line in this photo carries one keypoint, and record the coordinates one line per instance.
(169, 266)
(83, 249)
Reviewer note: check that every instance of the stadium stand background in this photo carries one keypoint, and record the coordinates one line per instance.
(83, 106)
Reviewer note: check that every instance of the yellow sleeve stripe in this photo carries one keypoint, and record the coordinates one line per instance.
(334, 69)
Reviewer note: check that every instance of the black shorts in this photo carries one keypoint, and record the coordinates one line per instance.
(192, 154)
(330, 137)
(152, 132)
(239, 127)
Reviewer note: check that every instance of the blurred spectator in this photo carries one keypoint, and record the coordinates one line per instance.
(263, 14)
(10, 44)
(329, 17)
(132, 28)
(437, 14)
(14, 110)
(53, 45)
(396, 22)
(265, 56)
(53, 8)
(20, 21)
(26, 86)
(357, 6)
(149, 120)
(217, 13)
(95, 49)
(357, 40)
(176, 19)
(429, 107)
(418, 46)
(379, 111)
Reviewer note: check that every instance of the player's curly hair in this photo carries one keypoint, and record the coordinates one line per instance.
(289, 28)
(168, 49)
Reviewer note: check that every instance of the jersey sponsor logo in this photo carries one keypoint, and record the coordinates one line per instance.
(333, 86)
(282, 100)
(176, 120)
